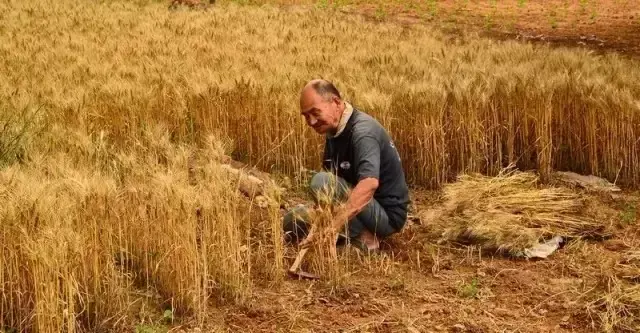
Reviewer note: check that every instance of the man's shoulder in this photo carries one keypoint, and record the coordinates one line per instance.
(365, 124)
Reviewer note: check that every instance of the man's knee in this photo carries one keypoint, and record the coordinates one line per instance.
(296, 224)
(320, 181)
(326, 187)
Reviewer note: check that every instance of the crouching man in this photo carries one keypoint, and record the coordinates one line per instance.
(361, 167)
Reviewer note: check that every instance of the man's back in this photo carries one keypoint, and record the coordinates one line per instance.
(364, 149)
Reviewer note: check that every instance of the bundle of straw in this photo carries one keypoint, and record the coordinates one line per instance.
(511, 212)
(323, 255)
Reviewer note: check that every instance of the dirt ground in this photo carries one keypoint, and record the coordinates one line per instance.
(418, 285)
(600, 25)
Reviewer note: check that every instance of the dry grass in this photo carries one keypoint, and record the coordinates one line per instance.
(512, 212)
(323, 257)
(617, 307)
(111, 184)
(609, 296)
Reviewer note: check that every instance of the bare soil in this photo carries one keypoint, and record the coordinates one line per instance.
(602, 25)
(418, 285)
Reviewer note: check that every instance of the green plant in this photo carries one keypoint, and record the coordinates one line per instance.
(322, 4)
(144, 328)
(629, 214)
(433, 8)
(16, 127)
(167, 316)
(380, 13)
(469, 290)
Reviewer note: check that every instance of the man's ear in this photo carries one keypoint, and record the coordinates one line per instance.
(337, 101)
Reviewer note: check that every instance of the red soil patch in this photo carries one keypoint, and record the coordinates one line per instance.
(602, 25)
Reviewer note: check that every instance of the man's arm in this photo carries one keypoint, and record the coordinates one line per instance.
(358, 199)
(366, 150)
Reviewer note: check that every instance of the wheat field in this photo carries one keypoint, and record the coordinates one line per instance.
(105, 105)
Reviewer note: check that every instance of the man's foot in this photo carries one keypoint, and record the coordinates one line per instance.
(370, 240)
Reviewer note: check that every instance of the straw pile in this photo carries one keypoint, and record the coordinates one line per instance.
(614, 301)
(629, 267)
(512, 212)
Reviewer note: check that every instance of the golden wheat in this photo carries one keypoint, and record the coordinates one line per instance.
(78, 239)
(452, 104)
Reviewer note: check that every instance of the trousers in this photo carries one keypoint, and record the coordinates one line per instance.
(327, 188)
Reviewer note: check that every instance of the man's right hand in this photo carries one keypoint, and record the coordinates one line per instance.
(308, 241)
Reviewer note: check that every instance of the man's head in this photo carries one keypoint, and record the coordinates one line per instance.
(321, 105)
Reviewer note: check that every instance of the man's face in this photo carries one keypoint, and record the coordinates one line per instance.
(323, 116)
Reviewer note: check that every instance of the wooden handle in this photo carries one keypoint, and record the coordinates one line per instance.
(296, 263)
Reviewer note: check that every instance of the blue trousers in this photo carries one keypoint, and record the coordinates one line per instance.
(326, 188)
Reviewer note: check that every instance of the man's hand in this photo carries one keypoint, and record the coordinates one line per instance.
(309, 240)
(314, 236)
(358, 199)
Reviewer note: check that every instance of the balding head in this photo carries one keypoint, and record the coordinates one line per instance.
(321, 105)
(322, 87)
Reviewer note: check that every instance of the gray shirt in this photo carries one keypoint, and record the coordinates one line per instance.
(365, 149)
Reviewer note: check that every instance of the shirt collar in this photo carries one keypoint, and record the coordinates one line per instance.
(346, 114)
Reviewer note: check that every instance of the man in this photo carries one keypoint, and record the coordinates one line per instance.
(361, 166)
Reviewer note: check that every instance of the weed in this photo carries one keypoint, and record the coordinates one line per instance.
(144, 328)
(469, 290)
(488, 21)
(593, 16)
(396, 285)
(433, 8)
(167, 316)
(629, 214)
(380, 13)
(583, 6)
(461, 5)
(554, 23)
(322, 4)
(16, 128)
(489, 18)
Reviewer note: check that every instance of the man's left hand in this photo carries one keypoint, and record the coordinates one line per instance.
(315, 237)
